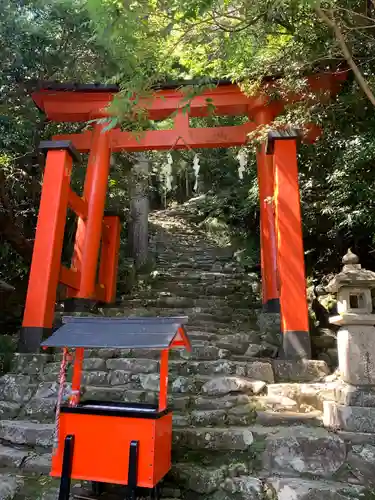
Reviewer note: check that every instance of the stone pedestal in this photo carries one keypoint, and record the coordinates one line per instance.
(356, 352)
(348, 418)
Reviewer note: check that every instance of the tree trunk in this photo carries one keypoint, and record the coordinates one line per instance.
(139, 210)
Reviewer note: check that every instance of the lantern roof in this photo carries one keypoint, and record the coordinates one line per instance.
(352, 275)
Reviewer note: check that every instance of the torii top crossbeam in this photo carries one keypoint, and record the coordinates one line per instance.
(81, 103)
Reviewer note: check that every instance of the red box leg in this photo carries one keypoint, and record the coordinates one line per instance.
(291, 266)
(45, 266)
(109, 257)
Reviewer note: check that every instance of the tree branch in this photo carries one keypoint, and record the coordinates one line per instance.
(330, 21)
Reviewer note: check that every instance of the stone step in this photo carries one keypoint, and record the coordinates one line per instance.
(228, 278)
(193, 267)
(306, 395)
(348, 418)
(23, 432)
(300, 371)
(10, 485)
(25, 459)
(194, 290)
(193, 253)
(306, 489)
(287, 418)
(140, 308)
(166, 265)
(132, 369)
(215, 438)
(26, 485)
(168, 300)
(302, 450)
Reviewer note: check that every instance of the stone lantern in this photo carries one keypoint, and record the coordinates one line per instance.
(356, 336)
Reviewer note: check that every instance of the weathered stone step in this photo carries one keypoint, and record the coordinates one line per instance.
(306, 489)
(205, 303)
(313, 394)
(221, 318)
(209, 289)
(300, 371)
(23, 432)
(216, 438)
(25, 459)
(168, 266)
(27, 485)
(287, 418)
(165, 265)
(213, 362)
(10, 485)
(348, 418)
(195, 253)
(296, 450)
(229, 278)
(208, 310)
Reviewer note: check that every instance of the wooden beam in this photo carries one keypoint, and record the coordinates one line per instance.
(228, 100)
(77, 204)
(159, 140)
(69, 277)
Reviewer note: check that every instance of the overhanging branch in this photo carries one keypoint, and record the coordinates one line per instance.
(331, 22)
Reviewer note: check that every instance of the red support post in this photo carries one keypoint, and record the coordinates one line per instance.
(109, 256)
(77, 375)
(45, 266)
(89, 231)
(163, 394)
(270, 292)
(290, 255)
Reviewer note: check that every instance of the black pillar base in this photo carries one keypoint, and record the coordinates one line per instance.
(272, 306)
(66, 473)
(296, 345)
(31, 338)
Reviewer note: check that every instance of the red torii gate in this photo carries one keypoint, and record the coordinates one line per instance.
(283, 271)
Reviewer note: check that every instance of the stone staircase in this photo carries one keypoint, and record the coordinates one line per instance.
(246, 425)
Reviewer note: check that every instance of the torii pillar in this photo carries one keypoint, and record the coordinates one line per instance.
(270, 288)
(289, 243)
